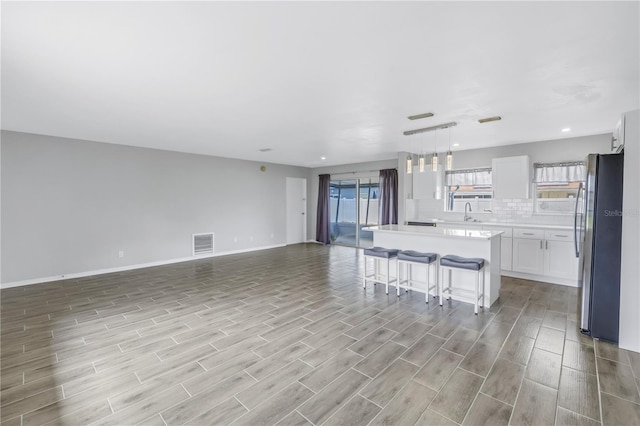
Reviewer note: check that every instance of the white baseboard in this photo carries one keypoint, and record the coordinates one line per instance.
(129, 267)
(542, 278)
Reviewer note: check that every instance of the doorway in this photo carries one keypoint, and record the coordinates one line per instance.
(354, 206)
(296, 210)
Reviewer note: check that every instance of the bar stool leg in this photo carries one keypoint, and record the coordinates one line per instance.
(387, 280)
(398, 278)
(426, 293)
(440, 284)
(364, 279)
(475, 305)
(482, 303)
(435, 275)
(376, 269)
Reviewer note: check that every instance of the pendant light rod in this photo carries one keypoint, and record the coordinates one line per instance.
(429, 129)
(449, 158)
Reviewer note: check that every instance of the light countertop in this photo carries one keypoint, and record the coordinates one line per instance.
(497, 224)
(432, 231)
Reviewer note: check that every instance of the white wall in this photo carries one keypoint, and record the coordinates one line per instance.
(69, 206)
(630, 269)
(568, 149)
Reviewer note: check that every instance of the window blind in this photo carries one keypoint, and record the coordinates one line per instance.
(471, 177)
(559, 172)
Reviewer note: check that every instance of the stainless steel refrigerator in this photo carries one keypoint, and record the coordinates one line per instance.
(598, 237)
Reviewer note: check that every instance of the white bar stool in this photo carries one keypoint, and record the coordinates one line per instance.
(410, 258)
(379, 254)
(450, 262)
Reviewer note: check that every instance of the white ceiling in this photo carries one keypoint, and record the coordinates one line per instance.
(314, 79)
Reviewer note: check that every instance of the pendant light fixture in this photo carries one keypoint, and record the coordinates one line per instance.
(421, 158)
(449, 162)
(434, 159)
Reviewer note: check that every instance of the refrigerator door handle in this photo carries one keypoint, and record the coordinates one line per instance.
(575, 221)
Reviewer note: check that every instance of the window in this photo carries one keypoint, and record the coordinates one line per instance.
(471, 186)
(556, 186)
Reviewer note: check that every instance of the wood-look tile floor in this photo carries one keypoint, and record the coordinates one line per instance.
(288, 336)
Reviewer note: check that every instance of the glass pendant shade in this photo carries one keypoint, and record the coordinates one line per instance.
(421, 163)
(434, 162)
(409, 164)
(449, 160)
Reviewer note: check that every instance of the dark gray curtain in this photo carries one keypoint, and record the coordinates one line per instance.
(323, 229)
(388, 196)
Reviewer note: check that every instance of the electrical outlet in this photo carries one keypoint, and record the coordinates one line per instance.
(271, 236)
(251, 238)
(235, 239)
(121, 254)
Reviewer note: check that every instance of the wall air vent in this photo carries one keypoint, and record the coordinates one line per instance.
(202, 244)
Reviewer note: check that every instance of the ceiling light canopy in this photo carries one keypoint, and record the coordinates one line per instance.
(429, 129)
(489, 119)
(419, 116)
(566, 129)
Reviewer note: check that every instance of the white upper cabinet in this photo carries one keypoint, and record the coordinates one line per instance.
(618, 138)
(511, 177)
(427, 185)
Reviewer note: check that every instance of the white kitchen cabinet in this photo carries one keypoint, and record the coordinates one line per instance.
(532, 253)
(511, 177)
(427, 185)
(506, 246)
(548, 253)
(559, 255)
(528, 256)
(618, 138)
(506, 258)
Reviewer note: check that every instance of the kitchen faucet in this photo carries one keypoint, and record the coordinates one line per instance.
(466, 218)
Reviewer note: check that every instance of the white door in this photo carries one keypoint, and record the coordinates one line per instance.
(296, 210)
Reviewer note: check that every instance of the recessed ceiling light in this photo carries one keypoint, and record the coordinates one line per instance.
(419, 116)
(486, 120)
(456, 144)
(265, 149)
(566, 129)
(323, 158)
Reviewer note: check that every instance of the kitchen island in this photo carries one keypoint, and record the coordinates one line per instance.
(460, 242)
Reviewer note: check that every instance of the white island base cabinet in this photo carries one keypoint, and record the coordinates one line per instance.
(484, 244)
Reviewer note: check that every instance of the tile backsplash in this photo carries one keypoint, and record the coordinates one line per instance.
(503, 210)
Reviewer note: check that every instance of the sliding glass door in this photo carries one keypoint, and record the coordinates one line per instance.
(354, 206)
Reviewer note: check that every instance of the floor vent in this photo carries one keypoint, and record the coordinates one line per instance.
(202, 243)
